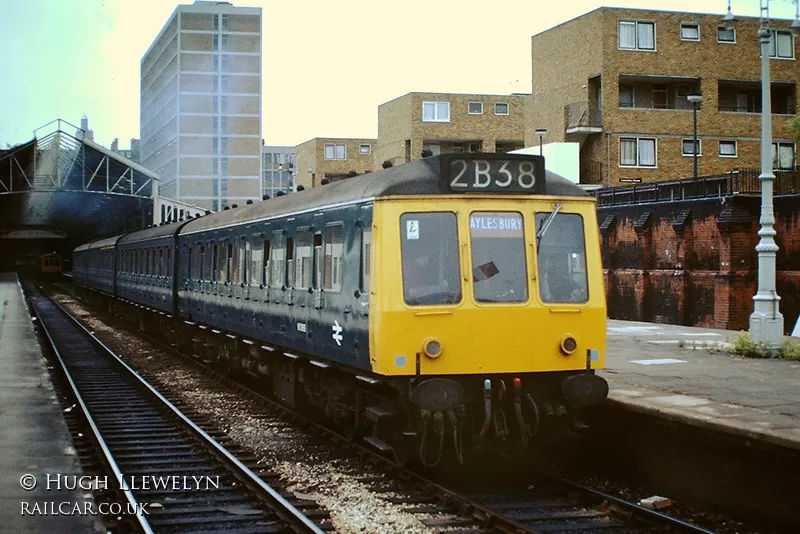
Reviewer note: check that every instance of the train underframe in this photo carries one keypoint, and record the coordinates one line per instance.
(421, 419)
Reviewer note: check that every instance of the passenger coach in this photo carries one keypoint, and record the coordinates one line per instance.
(459, 295)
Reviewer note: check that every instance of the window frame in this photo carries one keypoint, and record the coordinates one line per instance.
(638, 163)
(469, 105)
(508, 109)
(695, 25)
(690, 140)
(335, 154)
(735, 148)
(774, 51)
(724, 29)
(636, 47)
(776, 152)
(436, 117)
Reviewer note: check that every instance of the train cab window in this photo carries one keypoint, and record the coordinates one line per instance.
(497, 240)
(562, 258)
(430, 261)
(168, 272)
(278, 261)
(303, 260)
(161, 270)
(190, 265)
(366, 249)
(332, 263)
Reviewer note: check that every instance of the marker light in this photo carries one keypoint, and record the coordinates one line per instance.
(568, 344)
(432, 348)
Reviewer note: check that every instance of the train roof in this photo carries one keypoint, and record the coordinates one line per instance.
(100, 243)
(421, 177)
(165, 230)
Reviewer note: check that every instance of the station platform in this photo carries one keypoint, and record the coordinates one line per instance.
(687, 375)
(34, 440)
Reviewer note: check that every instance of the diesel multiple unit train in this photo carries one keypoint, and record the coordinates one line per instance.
(436, 308)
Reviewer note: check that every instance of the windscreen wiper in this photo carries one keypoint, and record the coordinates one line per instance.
(546, 224)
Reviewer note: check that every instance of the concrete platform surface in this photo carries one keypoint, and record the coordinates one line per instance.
(687, 374)
(34, 441)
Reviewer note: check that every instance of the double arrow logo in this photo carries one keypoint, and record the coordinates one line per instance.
(337, 333)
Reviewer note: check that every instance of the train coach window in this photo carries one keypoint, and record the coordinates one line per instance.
(498, 257)
(288, 274)
(256, 272)
(562, 258)
(231, 265)
(430, 262)
(304, 259)
(317, 275)
(278, 261)
(334, 253)
(265, 267)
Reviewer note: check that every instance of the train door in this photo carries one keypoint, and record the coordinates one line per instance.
(317, 278)
(362, 293)
(304, 273)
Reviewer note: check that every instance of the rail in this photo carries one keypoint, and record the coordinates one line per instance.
(739, 182)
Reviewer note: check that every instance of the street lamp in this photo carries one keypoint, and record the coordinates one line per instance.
(541, 132)
(766, 322)
(695, 99)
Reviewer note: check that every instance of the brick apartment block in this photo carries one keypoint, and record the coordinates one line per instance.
(332, 159)
(616, 81)
(448, 122)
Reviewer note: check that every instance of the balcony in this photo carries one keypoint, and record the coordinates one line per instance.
(745, 97)
(656, 92)
(582, 118)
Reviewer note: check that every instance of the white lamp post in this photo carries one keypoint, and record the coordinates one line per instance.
(766, 322)
(541, 132)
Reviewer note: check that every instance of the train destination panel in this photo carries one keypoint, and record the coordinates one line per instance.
(505, 174)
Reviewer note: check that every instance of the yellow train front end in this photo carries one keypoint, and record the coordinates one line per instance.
(490, 311)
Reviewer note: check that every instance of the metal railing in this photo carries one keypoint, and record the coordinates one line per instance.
(739, 182)
(581, 115)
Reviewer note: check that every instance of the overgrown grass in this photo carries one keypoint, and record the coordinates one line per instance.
(745, 346)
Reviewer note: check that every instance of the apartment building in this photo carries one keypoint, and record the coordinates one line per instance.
(201, 105)
(448, 122)
(617, 80)
(328, 159)
(278, 169)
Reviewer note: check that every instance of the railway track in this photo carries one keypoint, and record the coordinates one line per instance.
(546, 504)
(174, 476)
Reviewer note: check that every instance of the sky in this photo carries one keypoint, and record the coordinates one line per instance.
(327, 65)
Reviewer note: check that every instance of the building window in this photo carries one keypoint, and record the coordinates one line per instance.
(625, 95)
(365, 149)
(725, 35)
(782, 44)
(637, 152)
(501, 109)
(637, 35)
(335, 152)
(727, 149)
(224, 22)
(690, 31)
(783, 155)
(475, 108)
(688, 147)
(436, 111)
